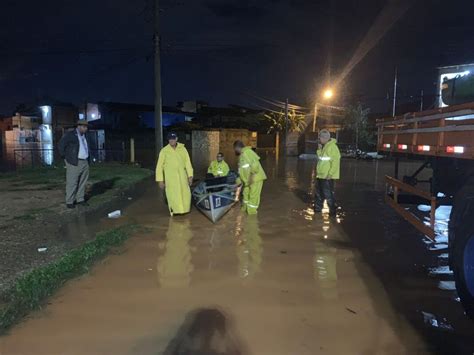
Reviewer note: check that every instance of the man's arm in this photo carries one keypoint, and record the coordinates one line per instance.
(225, 169)
(189, 168)
(211, 168)
(62, 145)
(335, 161)
(159, 173)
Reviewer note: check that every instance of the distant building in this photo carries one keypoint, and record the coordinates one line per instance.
(6, 124)
(131, 117)
(192, 106)
(232, 116)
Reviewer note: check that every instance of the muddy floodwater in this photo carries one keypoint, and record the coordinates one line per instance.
(284, 282)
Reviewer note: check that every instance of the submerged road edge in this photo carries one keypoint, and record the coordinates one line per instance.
(31, 290)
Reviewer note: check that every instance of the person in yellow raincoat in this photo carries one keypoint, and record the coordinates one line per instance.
(327, 172)
(251, 175)
(219, 167)
(174, 173)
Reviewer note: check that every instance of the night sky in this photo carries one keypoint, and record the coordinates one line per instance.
(221, 50)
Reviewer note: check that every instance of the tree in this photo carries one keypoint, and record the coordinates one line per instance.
(278, 123)
(358, 124)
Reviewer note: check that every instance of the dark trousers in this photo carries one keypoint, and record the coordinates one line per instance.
(325, 191)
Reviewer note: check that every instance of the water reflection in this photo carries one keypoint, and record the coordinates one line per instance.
(249, 246)
(325, 270)
(175, 264)
(77, 230)
(206, 331)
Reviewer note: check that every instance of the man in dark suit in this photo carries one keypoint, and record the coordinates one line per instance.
(74, 149)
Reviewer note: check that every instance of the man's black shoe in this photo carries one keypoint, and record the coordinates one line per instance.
(70, 205)
(83, 204)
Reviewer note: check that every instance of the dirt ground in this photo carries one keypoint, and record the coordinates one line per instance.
(33, 214)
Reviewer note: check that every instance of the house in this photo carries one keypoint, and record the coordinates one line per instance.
(233, 116)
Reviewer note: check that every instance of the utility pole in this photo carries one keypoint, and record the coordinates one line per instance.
(158, 103)
(315, 116)
(395, 92)
(286, 126)
(422, 98)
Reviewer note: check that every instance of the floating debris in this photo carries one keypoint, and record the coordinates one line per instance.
(351, 310)
(431, 320)
(115, 214)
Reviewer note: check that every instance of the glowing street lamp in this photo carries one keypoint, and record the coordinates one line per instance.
(328, 94)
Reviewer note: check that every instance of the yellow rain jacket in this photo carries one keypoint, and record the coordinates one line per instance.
(174, 167)
(249, 164)
(218, 168)
(329, 161)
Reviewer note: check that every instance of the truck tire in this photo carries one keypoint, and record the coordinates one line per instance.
(461, 243)
(463, 268)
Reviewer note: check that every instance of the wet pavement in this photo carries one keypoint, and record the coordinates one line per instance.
(283, 282)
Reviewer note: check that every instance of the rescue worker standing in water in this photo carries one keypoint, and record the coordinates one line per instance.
(174, 173)
(251, 175)
(327, 171)
(219, 167)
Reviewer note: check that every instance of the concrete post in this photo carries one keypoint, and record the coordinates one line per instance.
(132, 150)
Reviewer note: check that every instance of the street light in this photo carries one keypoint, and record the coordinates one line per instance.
(327, 95)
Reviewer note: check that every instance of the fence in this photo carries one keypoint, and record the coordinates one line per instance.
(38, 157)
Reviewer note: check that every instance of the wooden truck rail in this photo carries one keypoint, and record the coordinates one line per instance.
(397, 186)
(443, 132)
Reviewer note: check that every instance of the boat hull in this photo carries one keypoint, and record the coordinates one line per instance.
(215, 197)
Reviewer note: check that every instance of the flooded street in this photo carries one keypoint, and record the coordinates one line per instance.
(285, 282)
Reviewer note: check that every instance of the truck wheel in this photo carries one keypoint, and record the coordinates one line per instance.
(464, 268)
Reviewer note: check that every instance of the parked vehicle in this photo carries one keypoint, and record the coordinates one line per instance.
(443, 140)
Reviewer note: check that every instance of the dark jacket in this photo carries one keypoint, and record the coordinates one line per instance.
(69, 147)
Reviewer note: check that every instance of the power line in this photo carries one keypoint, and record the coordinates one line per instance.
(277, 102)
(74, 51)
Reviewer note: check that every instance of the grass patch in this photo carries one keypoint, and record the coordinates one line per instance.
(47, 175)
(52, 177)
(109, 178)
(32, 289)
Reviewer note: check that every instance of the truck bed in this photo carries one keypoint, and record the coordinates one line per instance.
(443, 132)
